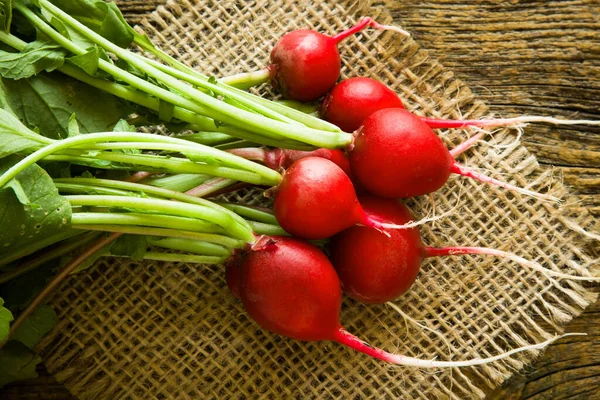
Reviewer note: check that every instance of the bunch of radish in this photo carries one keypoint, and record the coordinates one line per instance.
(289, 286)
(370, 152)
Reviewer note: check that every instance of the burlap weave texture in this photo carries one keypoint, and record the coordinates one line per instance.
(159, 330)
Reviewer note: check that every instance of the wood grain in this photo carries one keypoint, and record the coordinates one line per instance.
(520, 57)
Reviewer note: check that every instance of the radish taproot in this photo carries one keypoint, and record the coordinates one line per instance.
(396, 155)
(316, 200)
(305, 64)
(289, 287)
(352, 100)
(376, 268)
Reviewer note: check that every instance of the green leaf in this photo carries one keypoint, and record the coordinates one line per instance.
(5, 15)
(15, 137)
(103, 18)
(132, 246)
(48, 101)
(73, 126)
(87, 61)
(19, 291)
(37, 56)
(123, 126)
(165, 111)
(91, 260)
(5, 318)
(17, 362)
(40, 322)
(46, 214)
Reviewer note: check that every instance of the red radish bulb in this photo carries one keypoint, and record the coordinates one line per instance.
(305, 64)
(290, 288)
(352, 100)
(373, 267)
(316, 200)
(396, 155)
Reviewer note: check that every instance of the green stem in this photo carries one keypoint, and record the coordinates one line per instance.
(297, 115)
(37, 245)
(140, 219)
(161, 164)
(189, 258)
(147, 231)
(191, 246)
(177, 182)
(252, 213)
(94, 138)
(246, 80)
(260, 228)
(210, 106)
(87, 189)
(229, 221)
(56, 252)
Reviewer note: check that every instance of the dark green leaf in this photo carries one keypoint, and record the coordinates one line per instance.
(17, 362)
(40, 322)
(5, 318)
(49, 100)
(132, 246)
(19, 291)
(165, 111)
(36, 57)
(47, 212)
(123, 126)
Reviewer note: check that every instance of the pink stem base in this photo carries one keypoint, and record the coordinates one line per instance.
(362, 24)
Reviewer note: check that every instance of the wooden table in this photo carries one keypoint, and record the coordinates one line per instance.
(520, 57)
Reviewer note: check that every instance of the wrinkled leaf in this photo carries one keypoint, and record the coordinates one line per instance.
(5, 318)
(40, 322)
(48, 101)
(36, 57)
(46, 214)
(17, 362)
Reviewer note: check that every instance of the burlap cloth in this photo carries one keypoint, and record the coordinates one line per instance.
(159, 330)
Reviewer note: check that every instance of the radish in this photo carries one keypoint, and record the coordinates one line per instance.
(352, 100)
(289, 287)
(305, 64)
(316, 200)
(376, 268)
(396, 155)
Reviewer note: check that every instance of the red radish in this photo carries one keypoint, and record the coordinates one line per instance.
(396, 155)
(289, 287)
(284, 158)
(376, 268)
(305, 64)
(351, 101)
(316, 200)
(372, 267)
